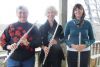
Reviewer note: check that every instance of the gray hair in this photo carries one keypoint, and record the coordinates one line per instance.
(51, 8)
(22, 8)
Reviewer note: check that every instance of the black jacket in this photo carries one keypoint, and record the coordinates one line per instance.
(47, 32)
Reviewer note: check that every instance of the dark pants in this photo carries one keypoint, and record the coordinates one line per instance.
(72, 58)
(54, 57)
(55, 63)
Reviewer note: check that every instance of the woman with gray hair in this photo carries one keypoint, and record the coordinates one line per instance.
(24, 55)
(55, 53)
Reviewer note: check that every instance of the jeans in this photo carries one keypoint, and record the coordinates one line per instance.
(27, 63)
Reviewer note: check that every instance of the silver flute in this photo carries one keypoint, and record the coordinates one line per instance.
(49, 46)
(18, 43)
(78, 63)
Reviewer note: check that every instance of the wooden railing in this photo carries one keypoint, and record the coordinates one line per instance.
(95, 55)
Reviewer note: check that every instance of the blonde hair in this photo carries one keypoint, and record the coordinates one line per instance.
(52, 9)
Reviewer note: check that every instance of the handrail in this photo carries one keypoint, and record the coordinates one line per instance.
(95, 54)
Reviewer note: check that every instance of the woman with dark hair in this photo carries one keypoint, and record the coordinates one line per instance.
(78, 36)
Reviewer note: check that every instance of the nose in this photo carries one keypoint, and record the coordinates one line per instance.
(22, 14)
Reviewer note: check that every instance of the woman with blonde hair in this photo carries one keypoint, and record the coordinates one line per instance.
(55, 54)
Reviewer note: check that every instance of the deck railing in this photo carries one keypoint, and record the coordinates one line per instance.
(95, 55)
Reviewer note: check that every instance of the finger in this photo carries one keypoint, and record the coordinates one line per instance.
(13, 46)
(9, 47)
(46, 50)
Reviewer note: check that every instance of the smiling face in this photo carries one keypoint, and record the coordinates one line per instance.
(22, 14)
(78, 13)
(51, 15)
(51, 12)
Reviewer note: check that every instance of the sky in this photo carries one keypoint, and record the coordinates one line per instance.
(36, 9)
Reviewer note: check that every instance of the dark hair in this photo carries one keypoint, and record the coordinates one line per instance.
(79, 6)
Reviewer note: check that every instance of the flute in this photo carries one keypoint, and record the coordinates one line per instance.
(18, 43)
(78, 63)
(49, 46)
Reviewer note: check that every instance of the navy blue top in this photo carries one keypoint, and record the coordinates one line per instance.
(71, 29)
(14, 32)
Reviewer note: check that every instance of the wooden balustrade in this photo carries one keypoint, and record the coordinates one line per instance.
(95, 55)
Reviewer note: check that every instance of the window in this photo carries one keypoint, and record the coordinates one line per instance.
(36, 9)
